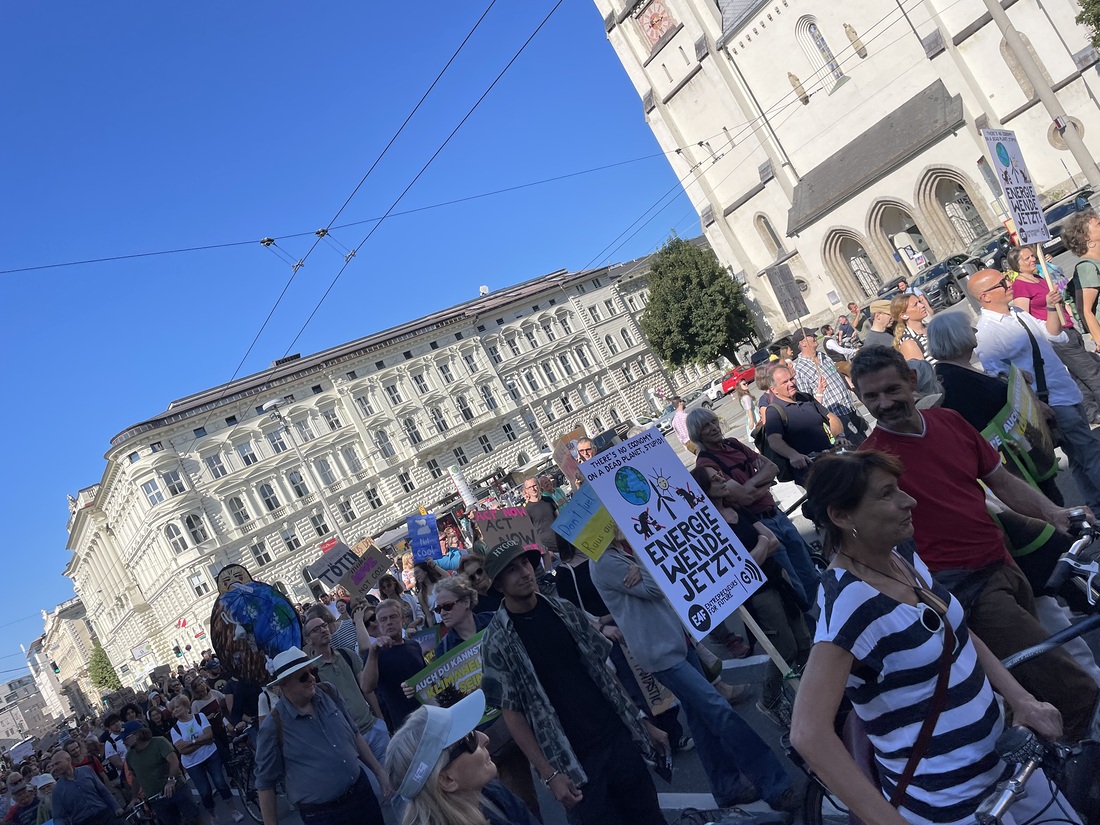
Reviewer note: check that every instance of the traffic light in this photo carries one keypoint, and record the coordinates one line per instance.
(177, 651)
(56, 669)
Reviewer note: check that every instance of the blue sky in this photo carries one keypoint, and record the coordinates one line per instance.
(136, 127)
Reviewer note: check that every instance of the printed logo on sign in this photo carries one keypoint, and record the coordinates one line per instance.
(699, 618)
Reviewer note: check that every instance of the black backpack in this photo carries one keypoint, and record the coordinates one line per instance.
(760, 438)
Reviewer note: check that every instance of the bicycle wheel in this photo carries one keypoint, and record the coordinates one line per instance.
(241, 778)
(820, 808)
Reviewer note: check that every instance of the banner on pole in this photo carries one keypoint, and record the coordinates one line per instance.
(675, 530)
(453, 677)
(585, 523)
(423, 537)
(1015, 180)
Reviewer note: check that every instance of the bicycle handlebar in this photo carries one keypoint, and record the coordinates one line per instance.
(1061, 637)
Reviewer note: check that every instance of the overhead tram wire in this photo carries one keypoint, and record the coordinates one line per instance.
(748, 126)
(423, 169)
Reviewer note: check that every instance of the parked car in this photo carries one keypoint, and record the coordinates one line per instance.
(713, 391)
(736, 376)
(1058, 213)
(988, 251)
(939, 282)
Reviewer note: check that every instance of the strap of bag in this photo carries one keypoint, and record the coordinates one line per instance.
(1037, 361)
(935, 708)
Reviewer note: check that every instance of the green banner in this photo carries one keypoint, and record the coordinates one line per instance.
(453, 677)
(1019, 431)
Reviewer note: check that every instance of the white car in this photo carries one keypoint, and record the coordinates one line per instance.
(714, 391)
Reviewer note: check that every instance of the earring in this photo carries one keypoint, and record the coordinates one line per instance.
(855, 533)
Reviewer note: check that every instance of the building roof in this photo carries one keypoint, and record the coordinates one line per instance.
(901, 135)
(735, 13)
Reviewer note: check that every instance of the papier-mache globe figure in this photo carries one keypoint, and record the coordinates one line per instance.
(250, 624)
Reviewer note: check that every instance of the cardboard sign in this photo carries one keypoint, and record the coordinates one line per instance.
(372, 566)
(423, 537)
(453, 677)
(674, 529)
(657, 696)
(337, 562)
(585, 523)
(506, 523)
(565, 455)
(1015, 180)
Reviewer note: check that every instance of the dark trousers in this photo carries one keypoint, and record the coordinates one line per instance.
(101, 818)
(1003, 617)
(358, 804)
(1084, 367)
(620, 790)
(178, 809)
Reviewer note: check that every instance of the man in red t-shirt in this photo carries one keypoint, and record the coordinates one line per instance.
(944, 459)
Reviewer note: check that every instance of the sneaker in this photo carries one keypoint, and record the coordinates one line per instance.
(238, 816)
(787, 801)
(770, 715)
(734, 694)
(684, 743)
(746, 796)
(737, 647)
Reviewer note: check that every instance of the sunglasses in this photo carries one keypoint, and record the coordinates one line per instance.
(445, 608)
(467, 744)
(1001, 284)
(306, 675)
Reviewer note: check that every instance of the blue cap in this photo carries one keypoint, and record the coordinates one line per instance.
(131, 727)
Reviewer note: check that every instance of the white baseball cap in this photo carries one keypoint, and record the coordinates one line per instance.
(445, 726)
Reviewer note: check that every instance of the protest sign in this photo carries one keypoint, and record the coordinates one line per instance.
(427, 638)
(452, 677)
(1019, 431)
(657, 696)
(424, 537)
(675, 530)
(565, 455)
(338, 560)
(1015, 180)
(372, 566)
(506, 523)
(585, 523)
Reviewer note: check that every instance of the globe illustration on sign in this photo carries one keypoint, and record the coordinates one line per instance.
(632, 486)
(1002, 155)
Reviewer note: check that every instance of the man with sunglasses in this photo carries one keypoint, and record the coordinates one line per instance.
(1007, 335)
(473, 567)
(390, 660)
(311, 741)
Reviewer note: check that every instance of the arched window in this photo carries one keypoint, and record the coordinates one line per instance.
(582, 356)
(238, 511)
(464, 408)
(618, 419)
(628, 339)
(612, 347)
(412, 431)
(175, 538)
(488, 397)
(385, 446)
(566, 322)
(298, 484)
(769, 236)
(195, 528)
(270, 499)
(827, 70)
(597, 423)
(439, 419)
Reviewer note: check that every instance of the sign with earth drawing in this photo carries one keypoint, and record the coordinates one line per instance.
(1015, 180)
(674, 530)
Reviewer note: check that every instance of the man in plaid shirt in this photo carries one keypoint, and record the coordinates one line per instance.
(816, 375)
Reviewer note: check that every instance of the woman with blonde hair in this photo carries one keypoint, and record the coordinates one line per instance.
(911, 317)
(455, 604)
(442, 770)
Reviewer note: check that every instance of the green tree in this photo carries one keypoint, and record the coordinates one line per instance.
(696, 310)
(99, 669)
(1090, 17)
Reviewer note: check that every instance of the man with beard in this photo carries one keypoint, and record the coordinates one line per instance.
(945, 459)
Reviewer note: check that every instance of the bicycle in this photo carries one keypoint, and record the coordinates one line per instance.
(142, 813)
(1073, 769)
(239, 770)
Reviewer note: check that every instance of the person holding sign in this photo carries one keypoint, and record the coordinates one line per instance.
(739, 765)
(440, 765)
(543, 666)
(1008, 336)
(886, 634)
(390, 661)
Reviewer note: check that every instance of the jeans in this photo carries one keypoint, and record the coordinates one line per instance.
(727, 746)
(793, 556)
(208, 775)
(377, 738)
(1083, 450)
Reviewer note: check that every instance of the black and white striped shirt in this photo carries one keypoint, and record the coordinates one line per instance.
(891, 686)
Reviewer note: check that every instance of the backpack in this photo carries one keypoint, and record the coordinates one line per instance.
(760, 438)
(1074, 297)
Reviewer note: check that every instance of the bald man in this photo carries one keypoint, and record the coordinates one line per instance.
(1007, 335)
(79, 796)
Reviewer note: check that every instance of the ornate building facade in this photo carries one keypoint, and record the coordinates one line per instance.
(482, 388)
(830, 147)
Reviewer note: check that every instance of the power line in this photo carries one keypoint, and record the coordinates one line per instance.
(423, 169)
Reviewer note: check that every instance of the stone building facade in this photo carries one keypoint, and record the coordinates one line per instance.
(830, 147)
(484, 387)
(67, 641)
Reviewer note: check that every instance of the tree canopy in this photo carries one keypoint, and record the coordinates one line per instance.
(696, 310)
(99, 669)
(1090, 18)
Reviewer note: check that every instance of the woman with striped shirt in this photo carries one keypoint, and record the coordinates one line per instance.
(885, 630)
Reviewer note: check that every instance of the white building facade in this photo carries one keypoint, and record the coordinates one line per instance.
(22, 710)
(67, 642)
(483, 387)
(47, 681)
(830, 147)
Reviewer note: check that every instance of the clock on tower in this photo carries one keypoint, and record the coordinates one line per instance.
(655, 21)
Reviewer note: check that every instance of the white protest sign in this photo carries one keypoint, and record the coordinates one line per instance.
(674, 529)
(338, 560)
(1012, 174)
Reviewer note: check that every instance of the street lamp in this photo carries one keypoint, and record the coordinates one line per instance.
(272, 407)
